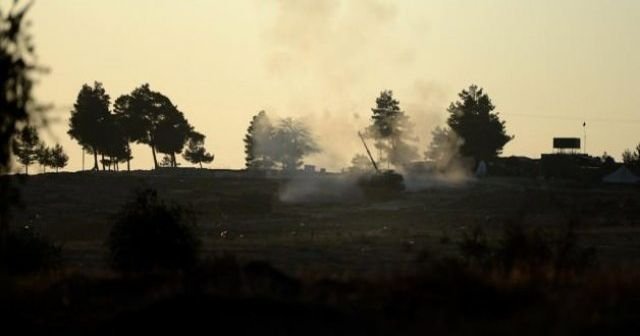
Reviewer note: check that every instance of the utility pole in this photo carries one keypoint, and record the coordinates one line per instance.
(584, 130)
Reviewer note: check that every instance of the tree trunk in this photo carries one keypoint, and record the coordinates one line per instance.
(26, 169)
(155, 160)
(201, 165)
(173, 160)
(102, 161)
(128, 165)
(95, 160)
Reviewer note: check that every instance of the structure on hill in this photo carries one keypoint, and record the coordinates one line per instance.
(566, 145)
(566, 161)
(622, 176)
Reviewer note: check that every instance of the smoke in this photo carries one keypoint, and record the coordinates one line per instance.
(333, 58)
(328, 55)
(285, 143)
(445, 166)
(314, 188)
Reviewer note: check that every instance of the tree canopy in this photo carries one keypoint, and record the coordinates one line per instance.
(444, 147)
(26, 146)
(172, 133)
(473, 119)
(286, 143)
(391, 130)
(257, 142)
(143, 116)
(149, 117)
(17, 69)
(291, 142)
(59, 158)
(195, 151)
(17, 105)
(632, 158)
(90, 120)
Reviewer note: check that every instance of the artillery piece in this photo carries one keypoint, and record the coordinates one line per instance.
(382, 184)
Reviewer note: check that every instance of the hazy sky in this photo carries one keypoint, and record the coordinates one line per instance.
(547, 64)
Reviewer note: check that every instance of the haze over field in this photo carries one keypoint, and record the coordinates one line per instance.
(548, 65)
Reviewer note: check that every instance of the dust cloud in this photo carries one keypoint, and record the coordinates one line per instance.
(334, 57)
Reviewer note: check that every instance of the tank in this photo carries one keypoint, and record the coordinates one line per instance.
(382, 184)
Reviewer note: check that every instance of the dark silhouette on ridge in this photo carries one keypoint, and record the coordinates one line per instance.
(391, 130)
(473, 119)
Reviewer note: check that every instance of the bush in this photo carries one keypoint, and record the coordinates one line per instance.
(152, 235)
(474, 246)
(27, 252)
(526, 249)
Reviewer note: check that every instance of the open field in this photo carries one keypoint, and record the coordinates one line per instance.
(335, 266)
(335, 236)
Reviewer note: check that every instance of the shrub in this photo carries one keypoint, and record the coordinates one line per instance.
(474, 246)
(526, 249)
(150, 234)
(25, 251)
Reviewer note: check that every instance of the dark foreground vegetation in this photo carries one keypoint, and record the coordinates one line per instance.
(495, 256)
(223, 295)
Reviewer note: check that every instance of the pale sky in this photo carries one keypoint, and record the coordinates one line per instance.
(548, 65)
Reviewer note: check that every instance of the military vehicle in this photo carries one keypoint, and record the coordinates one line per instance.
(381, 184)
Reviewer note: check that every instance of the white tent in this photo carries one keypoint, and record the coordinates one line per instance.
(622, 175)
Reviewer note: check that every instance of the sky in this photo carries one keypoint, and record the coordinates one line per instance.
(548, 66)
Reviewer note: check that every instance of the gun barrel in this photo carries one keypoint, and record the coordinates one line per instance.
(375, 166)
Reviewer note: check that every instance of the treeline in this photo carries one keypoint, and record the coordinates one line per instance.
(28, 148)
(281, 145)
(474, 131)
(143, 116)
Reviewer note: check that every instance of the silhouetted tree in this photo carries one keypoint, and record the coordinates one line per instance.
(89, 120)
(25, 146)
(59, 158)
(195, 151)
(473, 120)
(257, 143)
(116, 146)
(444, 147)
(172, 133)
(44, 156)
(142, 112)
(632, 159)
(17, 68)
(391, 130)
(120, 153)
(291, 142)
(16, 78)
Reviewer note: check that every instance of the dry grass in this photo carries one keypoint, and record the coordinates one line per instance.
(368, 268)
